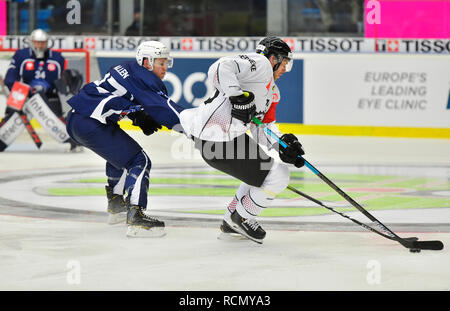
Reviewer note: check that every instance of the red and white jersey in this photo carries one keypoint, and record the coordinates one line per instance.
(231, 75)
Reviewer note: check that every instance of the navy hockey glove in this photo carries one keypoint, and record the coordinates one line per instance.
(243, 107)
(145, 122)
(292, 151)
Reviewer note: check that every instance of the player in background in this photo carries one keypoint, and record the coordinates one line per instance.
(245, 87)
(39, 67)
(135, 89)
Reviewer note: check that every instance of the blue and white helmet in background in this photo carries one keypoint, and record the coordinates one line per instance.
(153, 50)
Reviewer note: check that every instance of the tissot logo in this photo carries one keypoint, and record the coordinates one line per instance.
(291, 43)
(187, 44)
(89, 43)
(390, 45)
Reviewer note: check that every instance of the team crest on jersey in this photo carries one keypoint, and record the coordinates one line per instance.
(51, 67)
(29, 65)
(275, 97)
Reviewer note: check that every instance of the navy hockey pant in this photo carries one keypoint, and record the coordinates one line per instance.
(119, 150)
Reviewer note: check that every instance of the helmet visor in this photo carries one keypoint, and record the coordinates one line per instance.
(290, 62)
(169, 62)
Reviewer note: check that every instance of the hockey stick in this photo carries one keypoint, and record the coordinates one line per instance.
(413, 245)
(37, 141)
(132, 109)
(344, 215)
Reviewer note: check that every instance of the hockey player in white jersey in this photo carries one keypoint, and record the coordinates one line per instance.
(245, 88)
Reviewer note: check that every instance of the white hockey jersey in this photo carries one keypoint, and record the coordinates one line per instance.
(231, 75)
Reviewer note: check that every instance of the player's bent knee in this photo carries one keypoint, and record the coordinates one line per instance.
(278, 178)
(140, 160)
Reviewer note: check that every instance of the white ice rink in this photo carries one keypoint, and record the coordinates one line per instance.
(64, 243)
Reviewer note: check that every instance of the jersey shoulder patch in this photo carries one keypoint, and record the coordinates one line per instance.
(276, 97)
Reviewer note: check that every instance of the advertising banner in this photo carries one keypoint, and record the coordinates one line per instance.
(188, 86)
(407, 19)
(240, 44)
(384, 90)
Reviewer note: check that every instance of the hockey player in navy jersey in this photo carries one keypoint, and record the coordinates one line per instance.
(39, 67)
(134, 88)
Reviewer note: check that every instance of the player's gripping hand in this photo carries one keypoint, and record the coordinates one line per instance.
(243, 107)
(145, 122)
(292, 151)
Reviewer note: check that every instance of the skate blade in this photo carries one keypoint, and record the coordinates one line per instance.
(77, 149)
(231, 237)
(137, 232)
(236, 227)
(117, 218)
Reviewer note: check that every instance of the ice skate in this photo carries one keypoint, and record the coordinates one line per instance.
(142, 225)
(74, 147)
(227, 233)
(117, 209)
(249, 228)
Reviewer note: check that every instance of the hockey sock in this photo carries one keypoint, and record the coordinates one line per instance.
(116, 178)
(137, 180)
(232, 206)
(242, 190)
(252, 203)
(119, 187)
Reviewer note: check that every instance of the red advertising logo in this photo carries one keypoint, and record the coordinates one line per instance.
(89, 43)
(387, 45)
(187, 44)
(392, 45)
(290, 42)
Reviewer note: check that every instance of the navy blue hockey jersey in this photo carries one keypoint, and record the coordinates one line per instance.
(124, 86)
(25, 67)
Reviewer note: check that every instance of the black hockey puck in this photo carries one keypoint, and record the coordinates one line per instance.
(414, 250)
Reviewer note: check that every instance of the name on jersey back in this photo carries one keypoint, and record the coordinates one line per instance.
(122, 71)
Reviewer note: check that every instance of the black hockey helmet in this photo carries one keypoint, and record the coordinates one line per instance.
(275, 46)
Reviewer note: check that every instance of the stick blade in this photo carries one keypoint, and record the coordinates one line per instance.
(431, 245)
(411, 239)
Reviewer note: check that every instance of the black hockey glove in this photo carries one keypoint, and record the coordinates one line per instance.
(145, 122)
(292, 151)
(243, 107)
